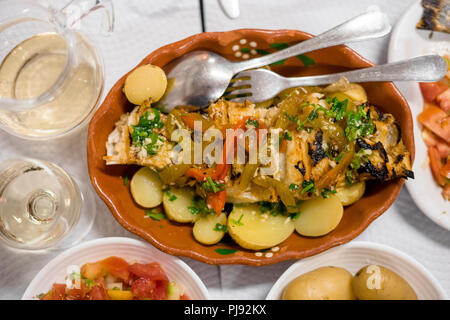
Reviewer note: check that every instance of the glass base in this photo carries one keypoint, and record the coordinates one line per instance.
(86, 219)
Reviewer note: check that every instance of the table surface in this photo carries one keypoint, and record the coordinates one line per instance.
(143, 26)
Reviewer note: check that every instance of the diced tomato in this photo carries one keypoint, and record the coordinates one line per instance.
(445, 170)
(431, 90)
(436, 165)
(432, 140)
(444, 100)
(58, 291)
(98, 293)
(77, 294)
(117, 267)
(217, 201)
(152, 271)
(436, 120)
(160, 292)
(185, 297)
(143, 288)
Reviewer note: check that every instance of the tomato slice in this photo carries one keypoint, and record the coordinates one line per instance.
(98, 293)
(117, 267)
(436, 165)
(152, 271)
(436, 120)
(444, 100)
(143, 288)
(58, 292)
(431, 90)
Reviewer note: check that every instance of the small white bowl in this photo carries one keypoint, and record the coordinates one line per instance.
(357, 254)
(129, 249)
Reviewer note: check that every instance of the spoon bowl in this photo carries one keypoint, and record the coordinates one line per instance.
(196, 79)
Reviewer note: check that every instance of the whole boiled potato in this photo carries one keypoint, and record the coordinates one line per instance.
(144, 83)
(326, 283)
(375, 282)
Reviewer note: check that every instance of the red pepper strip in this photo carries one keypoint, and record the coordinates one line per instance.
(217, 201)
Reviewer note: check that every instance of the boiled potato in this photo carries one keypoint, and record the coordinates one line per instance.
(379, 283)
(319, 216)
(356, 93)
(204, 228)
(145, 82)
(176, 203)
(326, 283)
(253, 230)
(146, 188)
(350, 194)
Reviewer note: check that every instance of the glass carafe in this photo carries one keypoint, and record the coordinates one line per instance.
(51, 76)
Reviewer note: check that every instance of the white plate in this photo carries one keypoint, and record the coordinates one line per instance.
(357, 254)
(406, 42)
(129, 249)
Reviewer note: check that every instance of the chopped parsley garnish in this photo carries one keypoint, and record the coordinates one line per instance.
(308, 186)
(338, 108)
(275, 209)
(339, 157)
(358, 124)
(254, 123)
(125, 180)
(349, 177)
(313, 115)
(359, 158)
(155, 214)
(220, 227)
(212, 187)
(143, 134)
(225, 251)
(237, 222)
(88, 282)
(326, 192)
(199, 207)
(287, 136)
(171, 196)
(294, 187)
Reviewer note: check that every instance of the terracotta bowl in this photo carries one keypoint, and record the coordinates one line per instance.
(176, 238)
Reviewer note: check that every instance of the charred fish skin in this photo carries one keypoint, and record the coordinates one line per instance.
(436, 16)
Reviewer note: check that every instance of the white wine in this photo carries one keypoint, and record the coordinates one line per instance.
(39, 203)
(33, 68)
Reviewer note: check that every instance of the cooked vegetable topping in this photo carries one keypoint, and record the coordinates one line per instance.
(327, 143)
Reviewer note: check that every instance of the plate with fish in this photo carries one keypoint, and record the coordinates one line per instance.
(430, 106)
(251, 183)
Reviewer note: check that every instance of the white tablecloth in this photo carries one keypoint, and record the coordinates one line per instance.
(141, 27)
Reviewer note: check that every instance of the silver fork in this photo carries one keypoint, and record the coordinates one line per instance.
(261, 84)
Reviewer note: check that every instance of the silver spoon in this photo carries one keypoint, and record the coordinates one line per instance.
(200, 77)
(262, 84)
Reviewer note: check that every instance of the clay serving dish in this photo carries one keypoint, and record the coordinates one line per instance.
(176, 238)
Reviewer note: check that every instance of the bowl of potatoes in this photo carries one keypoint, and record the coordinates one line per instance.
(358, 270)
(263, 220)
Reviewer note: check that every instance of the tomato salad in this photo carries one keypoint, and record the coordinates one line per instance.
(436, 128)
(115, 279)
